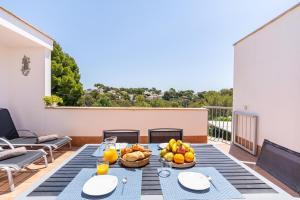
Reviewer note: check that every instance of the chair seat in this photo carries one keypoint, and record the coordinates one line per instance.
(58, 142)
(24, 159)
(29, 140)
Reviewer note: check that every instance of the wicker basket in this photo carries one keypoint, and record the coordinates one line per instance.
(135, 164)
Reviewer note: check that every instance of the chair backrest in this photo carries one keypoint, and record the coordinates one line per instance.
(7, 127)
(124, 135)
(282, 163)
(159, 135)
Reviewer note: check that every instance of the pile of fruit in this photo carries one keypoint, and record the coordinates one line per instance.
(178, 152)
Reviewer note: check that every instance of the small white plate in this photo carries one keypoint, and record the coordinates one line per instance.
(121, 145)
(100, 185)
(193, 180)
(163, 145)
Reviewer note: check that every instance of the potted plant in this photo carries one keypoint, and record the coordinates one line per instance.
(52, 101)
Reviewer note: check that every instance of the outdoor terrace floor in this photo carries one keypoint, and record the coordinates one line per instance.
(24, 180)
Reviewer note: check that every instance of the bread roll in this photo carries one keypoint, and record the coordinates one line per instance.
(140, 155)
(131, 156)
(147, 154)
(137, 147)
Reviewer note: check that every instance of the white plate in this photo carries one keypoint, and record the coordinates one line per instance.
(162, 145)
(100, 185)
(193, 180)
(121, 145)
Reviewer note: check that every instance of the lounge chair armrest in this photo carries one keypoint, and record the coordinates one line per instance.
(29, 133)
(8, 143)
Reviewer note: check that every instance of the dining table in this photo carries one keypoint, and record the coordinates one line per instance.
(241, 179)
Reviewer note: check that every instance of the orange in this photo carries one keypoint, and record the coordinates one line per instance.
(178, 158)
(189, 157)
(110, 155)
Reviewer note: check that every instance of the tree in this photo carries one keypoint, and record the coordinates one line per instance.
(65, 78)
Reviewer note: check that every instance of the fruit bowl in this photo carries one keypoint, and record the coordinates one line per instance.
(179, 154)
(183, 165)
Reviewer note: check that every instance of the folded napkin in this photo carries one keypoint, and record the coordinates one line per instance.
(12, 153)
(46, 138)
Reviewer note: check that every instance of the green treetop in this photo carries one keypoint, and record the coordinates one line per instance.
(65, 79)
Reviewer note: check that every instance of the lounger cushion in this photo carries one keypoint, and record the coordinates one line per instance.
(23, 160)
(9, 153)
(58, 142)
(46, 138)
(7, 127)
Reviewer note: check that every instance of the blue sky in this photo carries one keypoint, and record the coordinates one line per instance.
(185, 44)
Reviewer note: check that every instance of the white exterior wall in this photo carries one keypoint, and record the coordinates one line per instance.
(267, 79)
(4, 71)
(26, 92)
(92, 121)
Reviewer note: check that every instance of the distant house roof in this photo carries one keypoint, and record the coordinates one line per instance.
(26, 23)
(268, 23)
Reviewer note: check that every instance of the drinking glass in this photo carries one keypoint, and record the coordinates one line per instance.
(165, 170)
(102, 167)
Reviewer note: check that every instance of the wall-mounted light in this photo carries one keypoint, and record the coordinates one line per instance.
(25, 65)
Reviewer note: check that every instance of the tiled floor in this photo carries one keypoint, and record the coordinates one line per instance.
(25, 179)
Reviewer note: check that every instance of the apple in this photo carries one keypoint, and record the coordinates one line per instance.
(181, 150)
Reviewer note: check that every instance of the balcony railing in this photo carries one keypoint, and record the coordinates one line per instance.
(220, 123)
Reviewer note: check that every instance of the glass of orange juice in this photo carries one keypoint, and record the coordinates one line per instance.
(102, 167)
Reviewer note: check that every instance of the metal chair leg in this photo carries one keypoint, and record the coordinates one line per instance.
(51, 154)
(10, 180)
(46, 161)
(70, 145)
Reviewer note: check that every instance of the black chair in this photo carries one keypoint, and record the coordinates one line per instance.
(160, 135)
(123, 135)
(26, 138)
(282, 163)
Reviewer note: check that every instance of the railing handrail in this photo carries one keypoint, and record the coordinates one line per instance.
(218, 107)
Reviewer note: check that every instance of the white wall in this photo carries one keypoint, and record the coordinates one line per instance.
(92, 121)
(24, 93)
(267, 79)
(4, 72)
